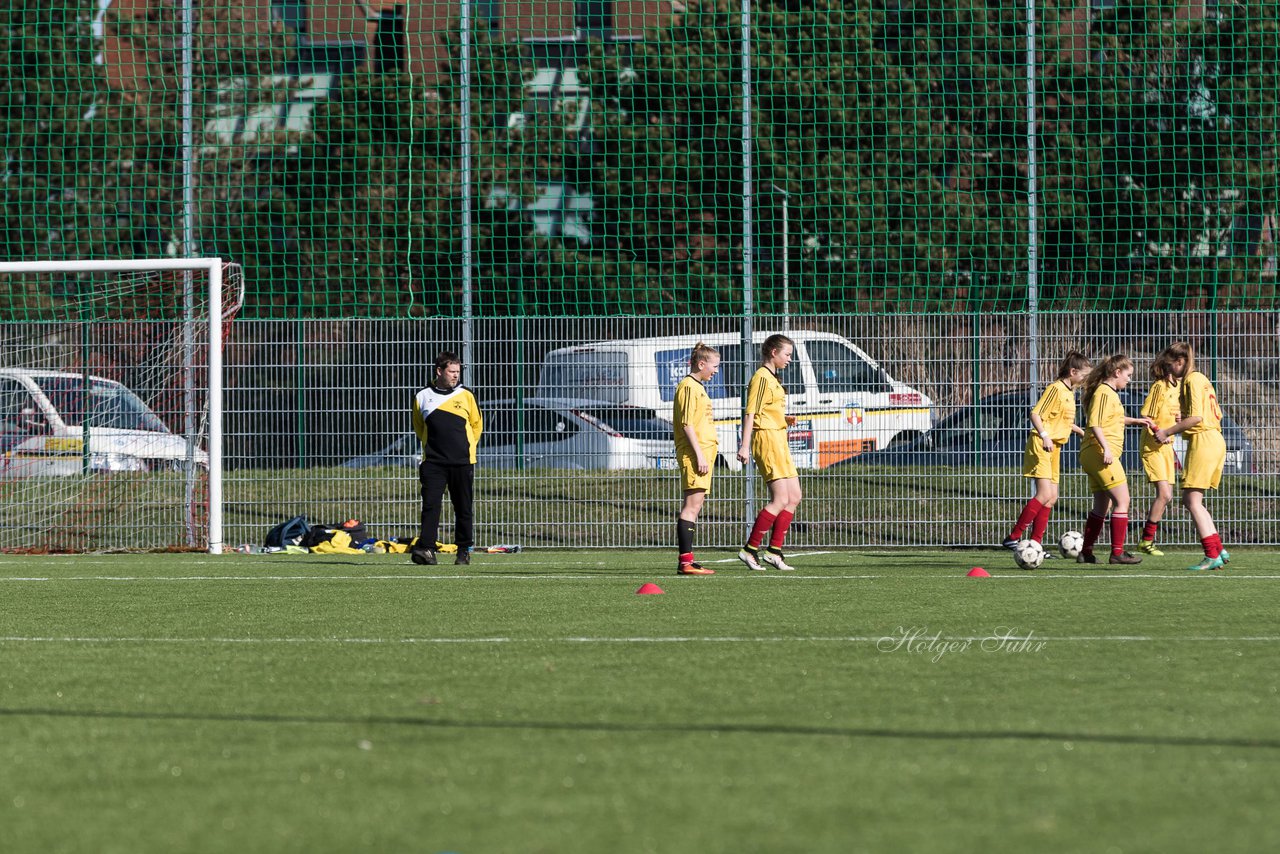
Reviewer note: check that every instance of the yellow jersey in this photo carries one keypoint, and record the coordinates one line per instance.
(1057, 410)
(767, 400)
(1200, 398)
(693, 408)
(1106, 412)
(1161, 406)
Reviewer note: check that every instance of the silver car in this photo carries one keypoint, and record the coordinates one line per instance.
(561, 433)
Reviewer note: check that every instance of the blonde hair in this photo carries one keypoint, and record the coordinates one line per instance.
(700, 353)
(1104, 370)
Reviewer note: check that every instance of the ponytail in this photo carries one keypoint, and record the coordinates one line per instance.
(1104, 370)
(1073, 361)
(700, 353)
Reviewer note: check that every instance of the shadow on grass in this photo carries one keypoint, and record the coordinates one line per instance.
(671, 729)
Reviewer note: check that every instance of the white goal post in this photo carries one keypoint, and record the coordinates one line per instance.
(145, 289)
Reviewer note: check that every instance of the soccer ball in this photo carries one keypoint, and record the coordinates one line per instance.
(1028, 554)
(1071, 544)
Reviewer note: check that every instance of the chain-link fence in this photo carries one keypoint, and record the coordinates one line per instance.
(952, 192)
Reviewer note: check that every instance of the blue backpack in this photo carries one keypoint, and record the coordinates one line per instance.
(288, 533)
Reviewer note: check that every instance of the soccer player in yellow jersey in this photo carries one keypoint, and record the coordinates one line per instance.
(1100, 456)
(696, 445)
(764, 438)
(1052, 423)
(1201, 422)
(1158, 462)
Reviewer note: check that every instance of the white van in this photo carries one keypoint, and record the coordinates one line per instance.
(845, 402)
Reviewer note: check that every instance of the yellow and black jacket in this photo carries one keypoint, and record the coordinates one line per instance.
(448, 425)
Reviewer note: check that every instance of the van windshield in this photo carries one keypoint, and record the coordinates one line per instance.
(598, 374)
(109, 405)
(839, 369)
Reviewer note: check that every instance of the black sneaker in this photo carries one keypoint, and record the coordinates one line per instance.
(423, 557)
(1125, 558)
(1009, 542)
(1087, 557)
(464, 558)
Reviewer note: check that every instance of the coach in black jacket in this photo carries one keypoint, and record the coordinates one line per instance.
(447, 421)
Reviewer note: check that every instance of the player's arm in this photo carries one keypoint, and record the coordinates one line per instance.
(419, 423)
(476, 419)
(1107, 458)
(748, 424)
(1043, 406)
(755, 401)
(1041, 431)
(1182, 426)
(695, 443)
(1189, 419)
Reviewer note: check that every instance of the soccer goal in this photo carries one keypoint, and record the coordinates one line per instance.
(111, 401)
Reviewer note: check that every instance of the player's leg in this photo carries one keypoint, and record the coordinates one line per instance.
(1036, 464)
(686, 524)
(462, 494)
(1206, 530)
(1164, 494)
(1047, 495)
(433, 481)
(1093, 525)
(773, 458)
(1119, 494)
(786, 492)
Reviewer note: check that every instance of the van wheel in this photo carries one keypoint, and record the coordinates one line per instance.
(905, 437)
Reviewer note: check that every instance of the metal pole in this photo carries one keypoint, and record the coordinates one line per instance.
(465, 131)
(215, 408)
(786, 257)
(189, 251)
(1033, 259)
(747, 257)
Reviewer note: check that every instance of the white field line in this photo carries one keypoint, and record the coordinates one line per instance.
(891, 640)
(745, 574)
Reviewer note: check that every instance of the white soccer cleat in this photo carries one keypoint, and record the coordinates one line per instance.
(750, 560)
(775, 560)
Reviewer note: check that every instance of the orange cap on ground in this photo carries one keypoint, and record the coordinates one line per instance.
(648, 589)
(979, 572)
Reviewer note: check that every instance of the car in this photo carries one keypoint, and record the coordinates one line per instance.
(845, 402)
(43, 419)
(563, 433)
(993, 434)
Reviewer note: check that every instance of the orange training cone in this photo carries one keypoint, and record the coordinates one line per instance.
(649, 589)
(979, 572)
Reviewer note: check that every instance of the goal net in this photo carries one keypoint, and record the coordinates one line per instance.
(109, 373)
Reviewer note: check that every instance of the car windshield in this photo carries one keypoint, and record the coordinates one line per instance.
(108, 404)
(633, 422)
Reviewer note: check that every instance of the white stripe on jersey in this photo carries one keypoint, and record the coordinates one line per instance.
(429, 400)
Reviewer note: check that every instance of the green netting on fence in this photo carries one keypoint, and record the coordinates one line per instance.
(886, 165)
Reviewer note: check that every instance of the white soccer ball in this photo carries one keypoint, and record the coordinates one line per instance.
(1071, 544)
(1028, 554)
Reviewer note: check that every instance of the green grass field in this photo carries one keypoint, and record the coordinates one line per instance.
(534, 703)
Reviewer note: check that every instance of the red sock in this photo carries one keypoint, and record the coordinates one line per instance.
(1212, 545)
(1149, 531)
(1042, 523)
(780, 528)
(1092, 528)
(764, 522)
(1119, 530)
(687, 557)
(1028, 514)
